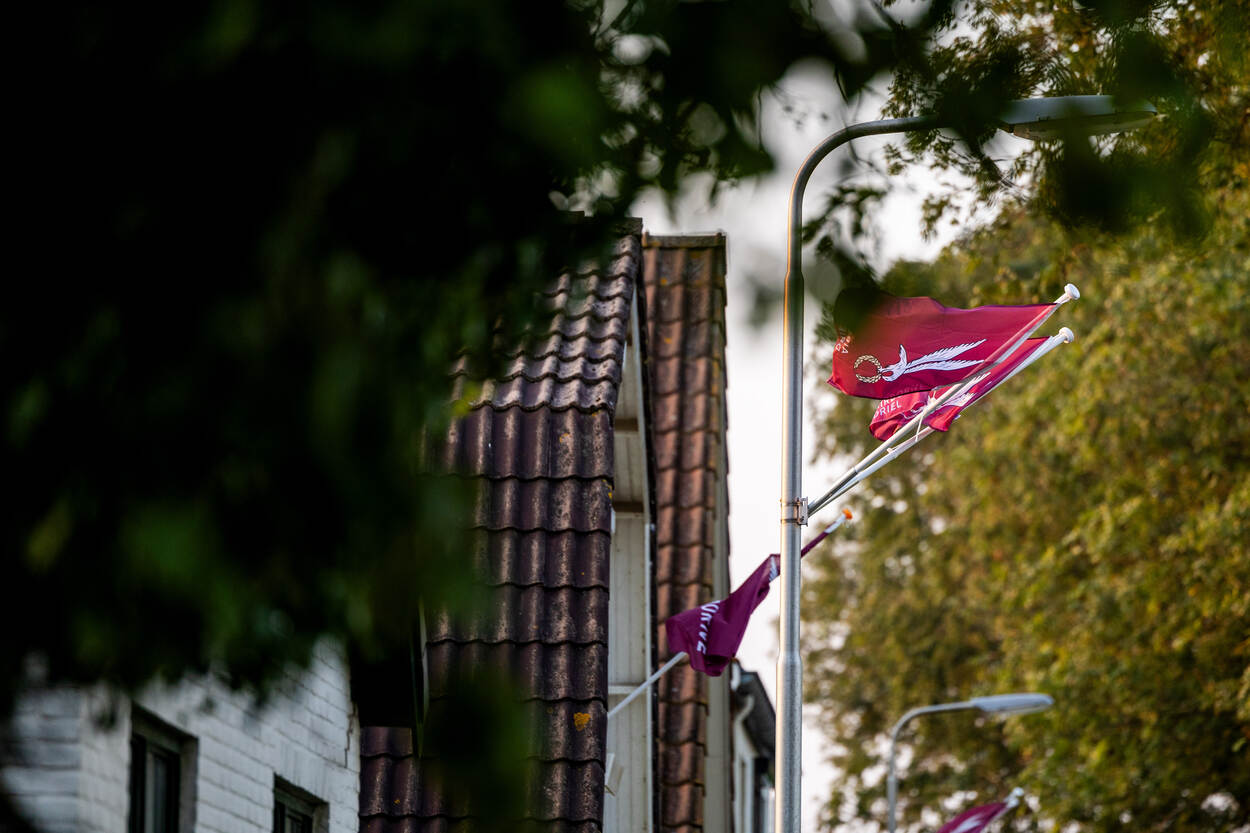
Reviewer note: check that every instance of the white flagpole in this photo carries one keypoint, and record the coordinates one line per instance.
(892, 448)
(645, 684)
(1010, 804)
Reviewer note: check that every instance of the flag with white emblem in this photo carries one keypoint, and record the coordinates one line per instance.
(916, 344)
(893, 414)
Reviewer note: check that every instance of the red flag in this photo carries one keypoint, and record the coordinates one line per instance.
(915, 344)
(974, 820)
(893, 414)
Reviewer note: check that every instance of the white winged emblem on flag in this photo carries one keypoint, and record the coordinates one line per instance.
(943, 359)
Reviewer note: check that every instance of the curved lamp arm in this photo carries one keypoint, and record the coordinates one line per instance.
(910, 124)
(892, 776)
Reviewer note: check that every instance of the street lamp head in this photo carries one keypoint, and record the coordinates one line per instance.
(1013, 703)
(1040, 119)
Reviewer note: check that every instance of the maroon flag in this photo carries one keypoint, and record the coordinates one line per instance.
(710, 634)
(974, 820)
(893, 414)
(916, 344)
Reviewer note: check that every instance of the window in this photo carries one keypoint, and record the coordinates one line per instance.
(157, 773)
(290, 818)
(294, 811)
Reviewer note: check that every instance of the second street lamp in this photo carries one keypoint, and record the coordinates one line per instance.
(1038, 118)
(1004, 704)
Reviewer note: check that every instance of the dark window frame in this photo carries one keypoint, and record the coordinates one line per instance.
(296, 811)
(160, 757)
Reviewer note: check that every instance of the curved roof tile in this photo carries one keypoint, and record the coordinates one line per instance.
(528, 445)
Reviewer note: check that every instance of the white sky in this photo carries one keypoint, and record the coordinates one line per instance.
(753, 216)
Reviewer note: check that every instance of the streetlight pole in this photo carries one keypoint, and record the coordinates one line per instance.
(789, 750)
(995, 704)
(1041, 118)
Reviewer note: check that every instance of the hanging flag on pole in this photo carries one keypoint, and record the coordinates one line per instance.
(979, 818)
(893, 414)
(974, 820)
(916, 344)
(711, 633)
(687, 629)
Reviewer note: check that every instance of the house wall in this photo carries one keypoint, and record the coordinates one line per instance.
(49, 728)
(628, 803)
(73, 771)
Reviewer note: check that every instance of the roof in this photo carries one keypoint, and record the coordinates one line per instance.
(540, 439)
(685, 298)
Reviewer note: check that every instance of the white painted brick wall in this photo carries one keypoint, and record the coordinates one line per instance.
(74, 772)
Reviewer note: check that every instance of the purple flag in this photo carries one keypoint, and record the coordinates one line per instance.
(974, 820)
(710, 634)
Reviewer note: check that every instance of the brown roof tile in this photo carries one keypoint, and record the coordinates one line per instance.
(539, 442)
(690, 415)
(548, 673)
(686, 567)
(685, 282)
(683, 526)
(533, 444)
(546, 504)
(556, 344)
(545, 392)
(392, 792)
(550, 559)
(683, 721)
(529, 614)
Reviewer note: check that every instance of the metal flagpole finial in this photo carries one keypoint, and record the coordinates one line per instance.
(1072, 292)
(1066, 334)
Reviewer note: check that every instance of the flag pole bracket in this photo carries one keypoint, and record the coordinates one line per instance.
(794, 512)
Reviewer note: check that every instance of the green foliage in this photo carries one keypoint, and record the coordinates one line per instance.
(1180, 56)
(1083, 532)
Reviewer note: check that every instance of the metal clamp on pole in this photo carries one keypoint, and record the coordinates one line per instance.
(794, 512)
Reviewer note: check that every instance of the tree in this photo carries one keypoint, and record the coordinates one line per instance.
(1083, 531)
(263, 234)
(1184, 57)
